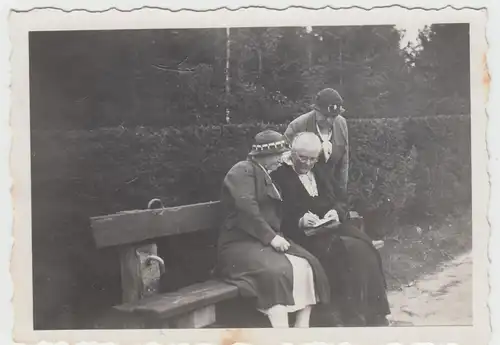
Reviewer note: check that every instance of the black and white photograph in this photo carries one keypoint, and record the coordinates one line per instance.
(322, 175)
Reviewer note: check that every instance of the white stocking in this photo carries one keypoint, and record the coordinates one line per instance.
(278, 317)
(302, 318)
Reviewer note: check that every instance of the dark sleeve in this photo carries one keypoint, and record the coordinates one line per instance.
(341, 210)
(333, 195)
(292, 212)
(292, 209)
(241, 185)
(343, 177)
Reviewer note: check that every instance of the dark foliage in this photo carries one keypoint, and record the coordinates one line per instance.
(93, 79)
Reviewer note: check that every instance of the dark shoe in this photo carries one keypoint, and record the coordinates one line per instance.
(333, 319)
(325, 317)
(354, 321)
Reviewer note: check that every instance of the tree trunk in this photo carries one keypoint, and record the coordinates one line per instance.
(227, 72)
(259, 56)
(341, 79)
(309, 50)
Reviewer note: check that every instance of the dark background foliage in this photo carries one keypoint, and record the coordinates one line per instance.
(93, 79)
(121, 117)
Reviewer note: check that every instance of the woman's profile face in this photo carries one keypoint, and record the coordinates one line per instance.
(270, 162)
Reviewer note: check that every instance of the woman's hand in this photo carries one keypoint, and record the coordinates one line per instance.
(308, 220)
(332, 214)
(280, 244)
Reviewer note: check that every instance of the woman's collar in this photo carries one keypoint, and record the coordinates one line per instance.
(288, 160)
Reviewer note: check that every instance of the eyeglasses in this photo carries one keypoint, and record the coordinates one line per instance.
(305, 160)
(335, 108)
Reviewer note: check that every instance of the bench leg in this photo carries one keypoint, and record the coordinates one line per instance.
(196, 319)
(155, 323)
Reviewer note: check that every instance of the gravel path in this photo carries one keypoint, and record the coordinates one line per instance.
(443, 298)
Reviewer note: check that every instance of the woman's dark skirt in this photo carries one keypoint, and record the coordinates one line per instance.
(356, 277)
(260, 271)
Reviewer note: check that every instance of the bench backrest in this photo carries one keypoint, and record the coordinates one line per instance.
(136, 226)
(133, 232)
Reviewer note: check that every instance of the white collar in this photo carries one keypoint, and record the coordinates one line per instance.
(322, 136)
(288, 160)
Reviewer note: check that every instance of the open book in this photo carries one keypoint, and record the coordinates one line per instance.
(325, 221)
(322, 222)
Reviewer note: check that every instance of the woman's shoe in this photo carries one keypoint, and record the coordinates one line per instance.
(355, 321)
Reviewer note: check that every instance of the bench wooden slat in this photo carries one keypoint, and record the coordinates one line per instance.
(182, 301)
(140, 225)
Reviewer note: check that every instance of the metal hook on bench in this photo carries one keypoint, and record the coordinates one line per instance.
(153, 201)
(160, 261)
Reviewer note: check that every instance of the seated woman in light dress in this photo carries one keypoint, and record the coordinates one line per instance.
(253, 253)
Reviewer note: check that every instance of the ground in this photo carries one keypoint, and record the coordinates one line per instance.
(442, 298)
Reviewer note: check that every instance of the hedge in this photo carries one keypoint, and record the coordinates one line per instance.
(443, 171)
(399, 168)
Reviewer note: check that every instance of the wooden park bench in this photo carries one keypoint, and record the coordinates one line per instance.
(134, 233)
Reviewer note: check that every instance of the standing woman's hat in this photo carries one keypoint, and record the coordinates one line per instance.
(269, 142)
(330, 100)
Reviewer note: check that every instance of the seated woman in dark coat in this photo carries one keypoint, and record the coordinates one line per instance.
(253, 254)
(352, 263)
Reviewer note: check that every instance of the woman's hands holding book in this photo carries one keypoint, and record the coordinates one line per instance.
(308, 220)
(332, 215)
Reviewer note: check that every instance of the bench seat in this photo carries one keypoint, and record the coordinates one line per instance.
(195, 303)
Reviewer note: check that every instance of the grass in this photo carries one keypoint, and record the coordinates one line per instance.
(424, 246)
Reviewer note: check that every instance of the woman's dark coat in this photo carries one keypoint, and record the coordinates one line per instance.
(251, 210)
(352, 264)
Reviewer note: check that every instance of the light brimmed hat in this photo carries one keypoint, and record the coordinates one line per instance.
(269, 142)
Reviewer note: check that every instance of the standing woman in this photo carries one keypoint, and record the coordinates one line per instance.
(253, 254)
(326, 121)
